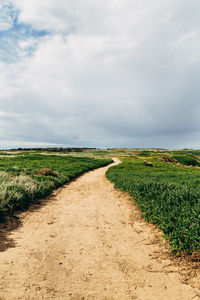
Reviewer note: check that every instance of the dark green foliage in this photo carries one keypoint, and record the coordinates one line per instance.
(187, 160)
(22, 178)
(144, 153)
(148, 163)
(186, 152)
(168, 196)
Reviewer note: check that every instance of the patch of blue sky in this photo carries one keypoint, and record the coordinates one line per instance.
(12, 32)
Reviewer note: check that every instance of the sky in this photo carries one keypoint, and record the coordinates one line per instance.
(98, 73)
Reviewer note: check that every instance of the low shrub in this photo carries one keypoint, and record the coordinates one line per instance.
(148, 163)
(47, 172)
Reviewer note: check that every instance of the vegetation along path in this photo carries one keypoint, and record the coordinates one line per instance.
(89, 242)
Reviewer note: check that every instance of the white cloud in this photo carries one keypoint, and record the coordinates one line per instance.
(3, 113)
(89, 17)
(110, 74)
(186, 37)
(25, 44)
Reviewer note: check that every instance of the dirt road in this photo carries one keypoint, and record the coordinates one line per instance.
(88, 242)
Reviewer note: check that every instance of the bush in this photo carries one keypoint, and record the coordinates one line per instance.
(47, 172)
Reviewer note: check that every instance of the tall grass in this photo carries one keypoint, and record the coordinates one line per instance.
(25, 178)
(16, 191)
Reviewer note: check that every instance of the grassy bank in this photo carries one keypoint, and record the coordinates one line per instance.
(168, 196)
(24, 178)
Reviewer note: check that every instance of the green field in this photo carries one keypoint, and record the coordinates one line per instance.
(25, 177)
(167, 194)
(165, 184)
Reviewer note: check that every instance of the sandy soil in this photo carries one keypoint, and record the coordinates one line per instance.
(88, 242)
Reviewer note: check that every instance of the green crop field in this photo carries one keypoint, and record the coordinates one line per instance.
(167, 193)
(25, 177)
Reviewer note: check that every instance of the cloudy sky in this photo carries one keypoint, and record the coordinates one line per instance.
(100, 73)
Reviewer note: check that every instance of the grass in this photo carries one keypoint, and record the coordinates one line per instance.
(187, 160)
(168, 193)
(25, 178)
(168, 196)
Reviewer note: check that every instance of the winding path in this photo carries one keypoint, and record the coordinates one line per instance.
(88, 242)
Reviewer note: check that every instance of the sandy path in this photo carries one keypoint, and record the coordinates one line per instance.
(88, 242)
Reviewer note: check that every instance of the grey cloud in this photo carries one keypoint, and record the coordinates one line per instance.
(126, 75)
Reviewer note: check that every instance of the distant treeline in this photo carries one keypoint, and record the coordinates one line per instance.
(54, 149)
